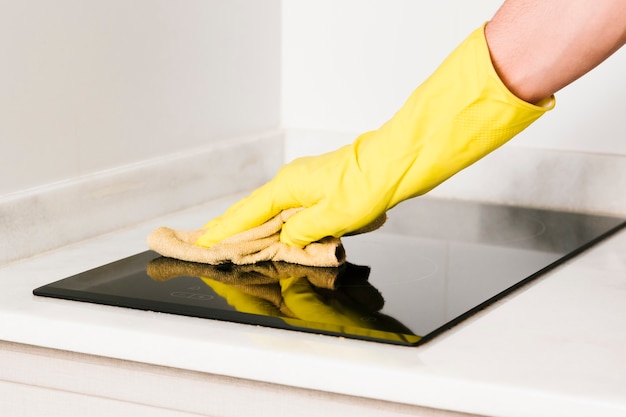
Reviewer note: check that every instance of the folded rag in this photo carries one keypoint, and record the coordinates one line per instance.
(261, 243)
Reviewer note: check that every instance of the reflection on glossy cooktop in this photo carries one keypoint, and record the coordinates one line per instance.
(433, 264)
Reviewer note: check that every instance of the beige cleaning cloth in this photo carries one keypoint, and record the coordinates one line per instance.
(261, 243)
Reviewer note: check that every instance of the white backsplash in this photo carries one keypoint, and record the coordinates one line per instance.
(570, 181)
(45, 218)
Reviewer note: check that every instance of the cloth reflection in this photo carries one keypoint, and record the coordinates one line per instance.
(338, 300)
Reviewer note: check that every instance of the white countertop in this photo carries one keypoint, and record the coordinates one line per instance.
(555, 347)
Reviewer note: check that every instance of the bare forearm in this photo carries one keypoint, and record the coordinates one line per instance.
(540, 46)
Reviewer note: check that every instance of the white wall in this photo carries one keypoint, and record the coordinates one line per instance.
(113, 112)
(87, 86)
(348, 65)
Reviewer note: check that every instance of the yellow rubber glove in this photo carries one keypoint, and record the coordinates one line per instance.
(459, 114)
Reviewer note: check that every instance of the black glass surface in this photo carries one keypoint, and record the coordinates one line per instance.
(433, 264)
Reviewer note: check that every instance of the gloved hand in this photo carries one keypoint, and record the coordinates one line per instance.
(459, 114)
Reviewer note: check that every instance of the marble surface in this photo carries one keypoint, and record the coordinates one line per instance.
(552, 348)
(45, 218)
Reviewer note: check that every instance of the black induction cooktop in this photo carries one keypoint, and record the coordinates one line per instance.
(433, 264)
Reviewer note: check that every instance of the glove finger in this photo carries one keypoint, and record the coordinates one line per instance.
(252, 211)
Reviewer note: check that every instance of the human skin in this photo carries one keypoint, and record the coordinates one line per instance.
(540, 46)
